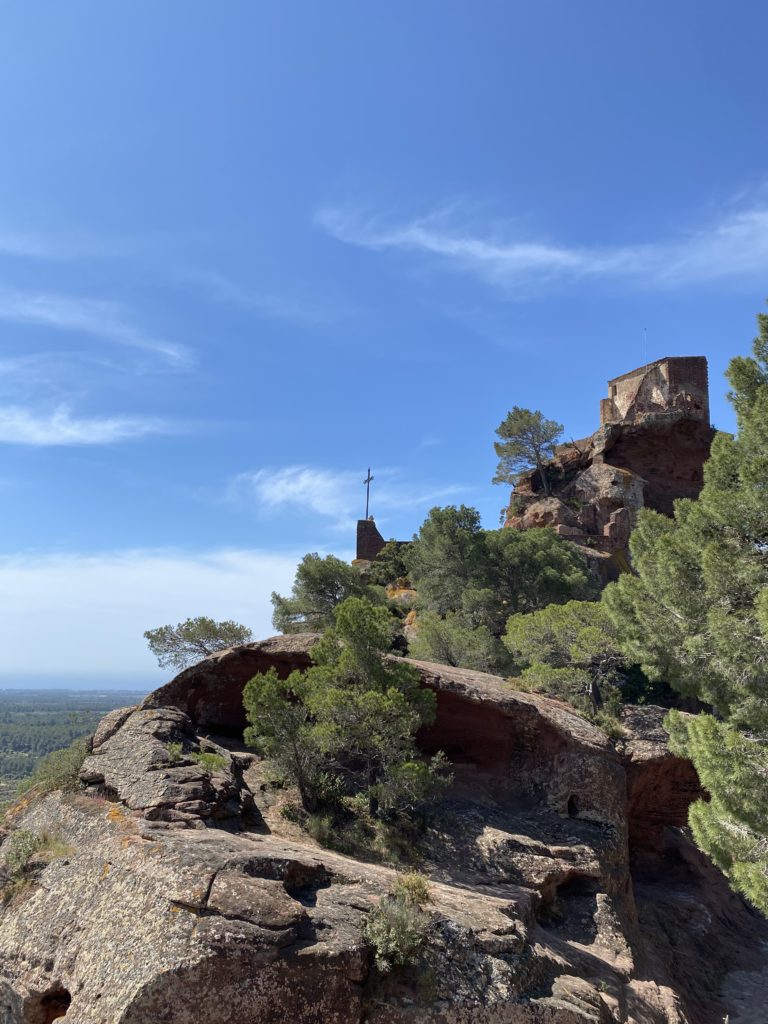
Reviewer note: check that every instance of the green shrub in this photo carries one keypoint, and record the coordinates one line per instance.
(294, 813)
(413, 888)
(353, 836)
(410, 790)
(517, 506)
(320, 827)
(174, 752)
(211, 762)
(389, 565)
(22, 845)
(610, 724)
(396, 929)
(60, 769)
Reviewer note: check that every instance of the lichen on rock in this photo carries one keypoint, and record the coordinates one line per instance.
(563, 886)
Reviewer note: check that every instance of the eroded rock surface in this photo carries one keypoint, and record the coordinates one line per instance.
(211, 691)
(155, 763)
(650, 449)
(660, 786)
(565, 889)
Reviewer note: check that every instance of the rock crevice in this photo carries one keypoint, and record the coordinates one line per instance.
(564, 886)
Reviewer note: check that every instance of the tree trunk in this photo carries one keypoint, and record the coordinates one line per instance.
(373, 803)
(543, 477)
(594, 695)
(308, 798)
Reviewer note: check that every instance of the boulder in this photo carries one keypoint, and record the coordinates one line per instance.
(210, 692)
(138, 766)
(649, 450)
(544, 512)
(564, 887)
(660, 786)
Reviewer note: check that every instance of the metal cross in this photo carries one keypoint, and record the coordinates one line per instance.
(367, 483)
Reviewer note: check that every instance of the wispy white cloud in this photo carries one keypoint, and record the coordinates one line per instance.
(65, 246)
(96, 607)
(323, 492)
(270, 304)
(23, 426)
(19, 243)
(336, 496)
(429, 441)
(733, 246)
(105, 320)
(55, 377)
(160, 256)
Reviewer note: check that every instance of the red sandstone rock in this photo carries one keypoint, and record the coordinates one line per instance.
(564, 890)
(650, 449)
(660, 786)
(210, 692)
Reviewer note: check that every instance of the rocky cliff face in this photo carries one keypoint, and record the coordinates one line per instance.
(565, 888)
(650, 449)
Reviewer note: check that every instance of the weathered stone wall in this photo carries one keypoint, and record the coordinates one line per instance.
(369, 540)
(650, 450)
(674, 383)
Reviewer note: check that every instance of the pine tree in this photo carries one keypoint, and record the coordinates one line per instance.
(697, 614)
(526, 439)
(320, 585)
(570, 650)
(487, 575)
(447, 556)
(450, 641)
(347, 725)
(189, 641)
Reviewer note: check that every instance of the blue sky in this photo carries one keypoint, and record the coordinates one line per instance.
(248, 249)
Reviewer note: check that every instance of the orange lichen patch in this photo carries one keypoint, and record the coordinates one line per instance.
(134, 840)
(177, 906)
(117, 815)
(21, 804)
(401, 591)
(104, 871)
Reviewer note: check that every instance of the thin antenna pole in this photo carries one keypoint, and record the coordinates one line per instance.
(645, 345)
(367, 483)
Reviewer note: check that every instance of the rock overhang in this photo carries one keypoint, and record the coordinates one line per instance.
(533, 915)
(508, 740)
